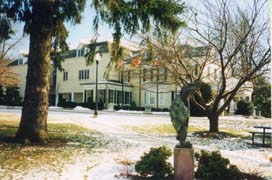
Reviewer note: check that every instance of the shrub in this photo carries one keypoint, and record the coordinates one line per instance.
(140, 108)
(206, 94)
(211, 165)
(12, 97)
(154, 163)
(261, 98)
(67, 104)
(244, 108)
(89, 105)
(165, 110)
(206, 91)
(126, 107)
(133, 104)
(195, 111)
(117, 107)
(1, 95)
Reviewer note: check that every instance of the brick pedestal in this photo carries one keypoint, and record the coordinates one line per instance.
(184, 163)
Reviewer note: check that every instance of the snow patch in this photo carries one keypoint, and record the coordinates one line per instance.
(79, 108)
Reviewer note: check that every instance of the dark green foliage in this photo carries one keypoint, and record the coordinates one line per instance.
(206, 92)
(261, 98)
(131, 108)
(154, 163)
(160, 109)
(195, 111)
(12, 97)
(211, 166)
(244, 108)
(67, 104)
(1, 95)
(5, 28)
(117, 107)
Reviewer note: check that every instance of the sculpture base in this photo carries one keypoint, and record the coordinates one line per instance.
(184, 163)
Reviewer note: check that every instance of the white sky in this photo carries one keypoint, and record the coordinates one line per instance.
(84, 30)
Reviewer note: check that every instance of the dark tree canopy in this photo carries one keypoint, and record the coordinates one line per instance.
(61, 11)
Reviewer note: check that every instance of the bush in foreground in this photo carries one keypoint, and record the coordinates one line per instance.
(154, 163)
(211, 165)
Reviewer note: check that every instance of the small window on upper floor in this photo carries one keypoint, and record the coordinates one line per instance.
(65, 75)
(129, 75)
(144, 75)
(165, 74)
(196, 71)
(83, 74)
(20, 61)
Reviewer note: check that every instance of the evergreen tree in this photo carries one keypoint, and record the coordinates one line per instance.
(1, 95)
(12, 97)
(44, 22)
(261, 96)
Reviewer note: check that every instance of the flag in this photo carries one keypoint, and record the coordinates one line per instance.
(136, 61)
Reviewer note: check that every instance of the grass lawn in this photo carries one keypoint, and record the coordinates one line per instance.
(68, 143)
(168, 129)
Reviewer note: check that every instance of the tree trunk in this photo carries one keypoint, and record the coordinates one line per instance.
(213, 119)
(33, 124)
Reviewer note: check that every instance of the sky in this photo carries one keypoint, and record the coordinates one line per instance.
(84, 30)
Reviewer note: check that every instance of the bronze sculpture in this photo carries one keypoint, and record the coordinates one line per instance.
(180, 114)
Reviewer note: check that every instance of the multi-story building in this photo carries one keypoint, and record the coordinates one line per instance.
(134, 80)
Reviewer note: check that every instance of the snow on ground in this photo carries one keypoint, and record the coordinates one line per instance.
(132, 144)
(79, 108)
(239, 151)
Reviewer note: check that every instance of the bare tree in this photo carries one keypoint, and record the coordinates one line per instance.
(233, 39)
(7, 76)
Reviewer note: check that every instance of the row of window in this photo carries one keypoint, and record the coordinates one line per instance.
(82, 74)
(152, 74)
(150, 98)
(114, 96)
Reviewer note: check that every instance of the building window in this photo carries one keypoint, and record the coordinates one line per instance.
(111, 96)
(247, 98)
(165, 74)
(158, 74)
(127, 97)
(128, 75)
(162, 98)
(144, 75)
(151, 75)
(90, 96)
(196, 71)
(152, 98)
(119, 97)
(20, 61)
(83, 74)
(65, 76)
